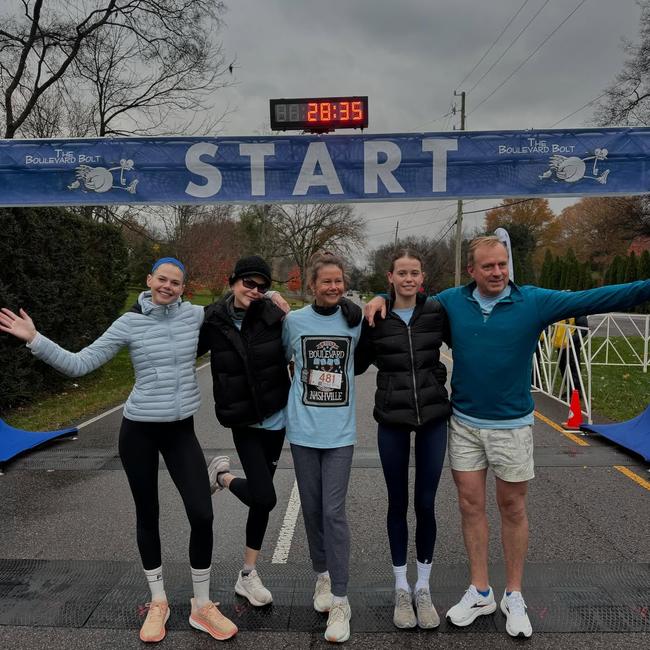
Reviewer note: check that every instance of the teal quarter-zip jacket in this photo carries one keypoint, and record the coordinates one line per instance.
(493, 357)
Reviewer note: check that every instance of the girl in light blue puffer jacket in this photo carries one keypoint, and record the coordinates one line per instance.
(161, 333)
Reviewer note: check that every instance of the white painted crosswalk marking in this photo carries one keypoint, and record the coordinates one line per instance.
(285, 536)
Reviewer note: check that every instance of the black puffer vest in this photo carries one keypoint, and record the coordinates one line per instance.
(411, 379)
(250, 380)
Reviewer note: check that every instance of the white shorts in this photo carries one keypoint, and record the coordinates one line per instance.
(509, 452)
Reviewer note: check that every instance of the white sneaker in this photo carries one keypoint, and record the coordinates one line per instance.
(471, 606)
(217, 465)
(338, 622)
(323, 594)
(428, 618)
(517, 621)
(251, 587)
(403, 614)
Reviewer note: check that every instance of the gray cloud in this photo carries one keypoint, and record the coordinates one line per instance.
(410, 56)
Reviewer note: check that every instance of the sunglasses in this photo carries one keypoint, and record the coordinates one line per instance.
(251, 284)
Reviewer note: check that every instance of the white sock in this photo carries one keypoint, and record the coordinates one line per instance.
(339, 599)
(201, 585)
(325, 573)
(424, 571)
(156, 584)
(400, 578)
(247, 568)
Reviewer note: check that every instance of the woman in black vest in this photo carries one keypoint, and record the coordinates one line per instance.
(250, 385)
(410, 396)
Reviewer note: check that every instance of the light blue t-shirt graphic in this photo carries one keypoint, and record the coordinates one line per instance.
(320, 412)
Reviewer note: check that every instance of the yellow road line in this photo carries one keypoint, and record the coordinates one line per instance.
(571, 436)
(635, 477)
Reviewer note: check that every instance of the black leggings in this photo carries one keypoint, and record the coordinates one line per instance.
(394, 450)
(259, 451)
(139, 445)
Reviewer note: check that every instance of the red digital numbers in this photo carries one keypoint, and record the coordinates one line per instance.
(326, 112)
(320, 112)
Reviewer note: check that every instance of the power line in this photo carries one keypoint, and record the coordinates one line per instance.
(528, 58)
(591, 101)
(496, 40)
(411, 227)
(526, 26)
(494, 207)
(444, 234)
(437, 119)
(409, 212)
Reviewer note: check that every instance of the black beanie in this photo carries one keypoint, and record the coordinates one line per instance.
(252, 265)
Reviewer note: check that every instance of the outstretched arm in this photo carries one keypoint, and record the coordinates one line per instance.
(73, 364)
(19, 325)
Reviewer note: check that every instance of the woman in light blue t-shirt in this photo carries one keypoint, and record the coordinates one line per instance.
(321, 428)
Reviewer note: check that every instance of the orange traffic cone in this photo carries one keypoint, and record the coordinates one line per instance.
(575, 413)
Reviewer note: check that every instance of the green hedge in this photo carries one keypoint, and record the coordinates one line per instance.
(69, 274)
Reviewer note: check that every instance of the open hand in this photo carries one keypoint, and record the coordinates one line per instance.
(21, 326)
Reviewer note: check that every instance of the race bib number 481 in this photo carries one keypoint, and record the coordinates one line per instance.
(324, 370)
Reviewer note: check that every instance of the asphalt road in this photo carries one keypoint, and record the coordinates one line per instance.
(70, 574)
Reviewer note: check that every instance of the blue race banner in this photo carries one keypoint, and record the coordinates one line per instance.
(325, 168)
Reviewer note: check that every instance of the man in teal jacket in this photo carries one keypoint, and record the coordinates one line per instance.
(495, 326)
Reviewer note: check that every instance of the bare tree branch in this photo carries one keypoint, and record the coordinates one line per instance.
(139, 61)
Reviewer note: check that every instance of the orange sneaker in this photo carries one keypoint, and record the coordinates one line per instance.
(209, 619)
(153, 628)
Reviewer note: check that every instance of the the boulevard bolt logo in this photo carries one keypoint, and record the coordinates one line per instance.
(562, 166)
(90, 177)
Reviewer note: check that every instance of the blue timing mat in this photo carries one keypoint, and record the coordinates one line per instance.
(633, 434)
(15, 441)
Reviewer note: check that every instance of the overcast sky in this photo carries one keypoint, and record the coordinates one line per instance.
(409, 56)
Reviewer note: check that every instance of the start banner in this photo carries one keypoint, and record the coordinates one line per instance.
(325, 168)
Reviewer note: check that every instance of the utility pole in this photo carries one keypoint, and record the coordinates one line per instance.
(396, 231)
(459, 210)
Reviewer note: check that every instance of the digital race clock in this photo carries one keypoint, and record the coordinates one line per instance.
(319, 114)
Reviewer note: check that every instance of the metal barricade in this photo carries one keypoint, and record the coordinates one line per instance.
(558, 370)
(552, 364)
(616, 330)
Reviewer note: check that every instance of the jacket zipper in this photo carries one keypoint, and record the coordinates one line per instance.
(173, 346)
(249, 374)
(415, 390)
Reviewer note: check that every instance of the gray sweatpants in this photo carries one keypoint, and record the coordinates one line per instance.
(323, 476)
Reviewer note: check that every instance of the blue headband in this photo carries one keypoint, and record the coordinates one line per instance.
(168, 260)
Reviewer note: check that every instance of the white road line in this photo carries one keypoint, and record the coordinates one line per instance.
(116, 408)
(282, 548)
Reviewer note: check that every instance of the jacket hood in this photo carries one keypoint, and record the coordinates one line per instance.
(146, 305)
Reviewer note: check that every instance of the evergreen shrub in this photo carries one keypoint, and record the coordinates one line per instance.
(70, 275)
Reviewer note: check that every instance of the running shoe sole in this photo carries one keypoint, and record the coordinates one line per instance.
(215, 634)
(479, 611)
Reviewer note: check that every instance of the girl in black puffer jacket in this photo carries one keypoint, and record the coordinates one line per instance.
(410, 396)
(251, 382)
